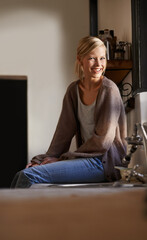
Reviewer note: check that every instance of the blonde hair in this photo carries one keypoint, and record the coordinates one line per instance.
(86, 45)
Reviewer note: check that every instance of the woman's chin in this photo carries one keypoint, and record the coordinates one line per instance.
(97, 75)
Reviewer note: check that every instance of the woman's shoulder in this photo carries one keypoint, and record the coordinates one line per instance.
(109, 84)
(72, 86)
(109, 88)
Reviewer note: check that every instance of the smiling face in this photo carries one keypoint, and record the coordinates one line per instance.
(94, 63)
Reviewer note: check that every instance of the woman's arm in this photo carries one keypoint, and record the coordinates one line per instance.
(65, 130)
(66, 127)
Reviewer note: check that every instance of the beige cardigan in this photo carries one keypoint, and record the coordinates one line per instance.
(108, 141)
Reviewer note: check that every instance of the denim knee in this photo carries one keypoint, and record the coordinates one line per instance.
(21, 181)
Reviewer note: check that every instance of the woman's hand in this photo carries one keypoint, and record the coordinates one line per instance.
(48, 160)
(44, 161)
(32, 164)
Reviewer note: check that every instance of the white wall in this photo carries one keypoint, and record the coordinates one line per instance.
(116, 15)
(38, 38)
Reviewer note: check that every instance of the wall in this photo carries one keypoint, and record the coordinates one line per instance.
(116, 15)
(39, 40)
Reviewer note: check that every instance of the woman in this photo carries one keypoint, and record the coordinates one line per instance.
(93, 111)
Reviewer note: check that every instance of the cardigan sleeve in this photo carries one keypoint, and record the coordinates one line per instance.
(66, 127)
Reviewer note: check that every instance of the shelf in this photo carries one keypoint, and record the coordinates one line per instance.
(117, 70)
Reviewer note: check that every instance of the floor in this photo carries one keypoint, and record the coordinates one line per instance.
(79, 212)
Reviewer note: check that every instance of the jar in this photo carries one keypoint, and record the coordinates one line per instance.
(119, 52)
(101, 35)
(108, 43)
(127, 49)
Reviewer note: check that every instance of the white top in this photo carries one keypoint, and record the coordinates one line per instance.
(86, 118)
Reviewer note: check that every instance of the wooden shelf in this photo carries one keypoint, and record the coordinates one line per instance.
(117, 70)
(13, 77)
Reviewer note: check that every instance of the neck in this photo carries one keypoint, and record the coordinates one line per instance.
(91, 83)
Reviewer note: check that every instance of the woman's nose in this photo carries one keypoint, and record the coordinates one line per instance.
(97, 62)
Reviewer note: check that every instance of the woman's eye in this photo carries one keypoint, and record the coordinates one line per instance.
(91, 58)
(102, 58)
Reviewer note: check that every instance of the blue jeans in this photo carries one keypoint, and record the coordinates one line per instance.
(82, 170)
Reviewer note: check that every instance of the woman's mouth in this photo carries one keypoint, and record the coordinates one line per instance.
(97, 70)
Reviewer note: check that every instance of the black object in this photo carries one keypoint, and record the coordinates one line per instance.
(139, 48)
(13, 129)
(93, 6)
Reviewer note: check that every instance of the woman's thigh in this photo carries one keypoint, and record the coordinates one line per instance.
(68, 171)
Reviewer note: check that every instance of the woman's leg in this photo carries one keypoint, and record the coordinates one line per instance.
(80, 170)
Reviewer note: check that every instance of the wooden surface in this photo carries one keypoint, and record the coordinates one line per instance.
(119, 64)
(117, 70)
(119, 216)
